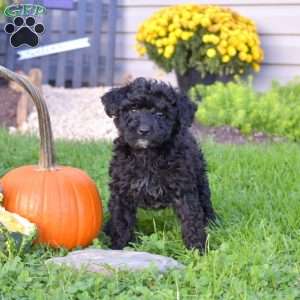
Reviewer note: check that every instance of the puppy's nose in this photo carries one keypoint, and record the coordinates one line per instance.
(143, 129)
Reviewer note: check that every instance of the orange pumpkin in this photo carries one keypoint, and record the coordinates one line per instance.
(63, 202)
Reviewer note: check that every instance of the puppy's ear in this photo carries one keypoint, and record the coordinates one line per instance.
(186, 110)
(112, 100)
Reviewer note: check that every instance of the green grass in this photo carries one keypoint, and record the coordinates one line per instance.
(253, 252)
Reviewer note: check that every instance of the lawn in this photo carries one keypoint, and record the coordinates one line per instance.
(253, 251)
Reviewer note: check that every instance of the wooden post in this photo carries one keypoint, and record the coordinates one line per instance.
(25, 104)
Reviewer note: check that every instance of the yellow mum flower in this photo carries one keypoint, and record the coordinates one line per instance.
(171, 27)
(231, 51)
(256, 67)
(224, 35)
(215, 39)
(251, 42)
(242, 37)
(243, 56)
(225, 58)
(186, 15)
(184, 23)
(140, 37)
(211, 52)
(197, 18)
(192, 25)
(169, 51)
(176, 18)
(140, 49)
(210, 38)
(206, 38)
(214, 28)
(249, 58)
(242, 47)
(186, 35)
(177, 24)
(222, 50)
(205, 22)
(163, 21)
(255, 52)
(223, 43)
(233, 41)
(165, 41)
(159, 43)
(172, 34)
(178, 32)
(162, 32)
(172, 39)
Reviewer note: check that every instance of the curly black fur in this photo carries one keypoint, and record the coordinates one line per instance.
(156, 161)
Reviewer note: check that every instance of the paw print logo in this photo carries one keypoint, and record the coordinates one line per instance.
(24, 33)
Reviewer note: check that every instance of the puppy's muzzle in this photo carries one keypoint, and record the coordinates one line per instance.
(142, 144)
(143, 130)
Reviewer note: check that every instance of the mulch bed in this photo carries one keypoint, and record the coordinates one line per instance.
(230, 135)
(8, 106)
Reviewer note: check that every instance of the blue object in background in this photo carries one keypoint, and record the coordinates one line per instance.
(53, 4)
(58, 4)
(66, 20)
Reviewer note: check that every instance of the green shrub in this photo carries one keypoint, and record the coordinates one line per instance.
(276, 111)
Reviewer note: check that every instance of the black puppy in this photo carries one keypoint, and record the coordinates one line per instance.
(156, 161)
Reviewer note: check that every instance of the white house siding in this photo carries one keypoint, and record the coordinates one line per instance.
(278, 23)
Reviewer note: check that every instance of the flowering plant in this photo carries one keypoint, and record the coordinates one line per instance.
(275, 111)
(210, 39)
(2, 6)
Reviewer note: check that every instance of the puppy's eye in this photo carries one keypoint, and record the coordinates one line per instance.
(134, 110)
(159, 113)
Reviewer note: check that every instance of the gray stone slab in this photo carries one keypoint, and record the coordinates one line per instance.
(108, 261)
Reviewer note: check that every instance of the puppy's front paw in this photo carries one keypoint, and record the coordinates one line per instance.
(116, 246)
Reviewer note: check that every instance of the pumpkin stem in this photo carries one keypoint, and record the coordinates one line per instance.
(47, 157)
